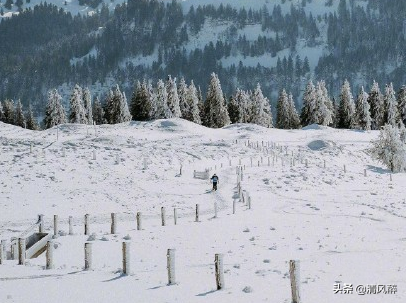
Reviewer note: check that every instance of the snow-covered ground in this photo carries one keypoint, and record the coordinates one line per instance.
(344, 227)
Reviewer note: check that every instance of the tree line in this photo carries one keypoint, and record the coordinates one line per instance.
(169, 99)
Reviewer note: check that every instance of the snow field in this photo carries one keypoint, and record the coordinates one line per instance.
(342, 226)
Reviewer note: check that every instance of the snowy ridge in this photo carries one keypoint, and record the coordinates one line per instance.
(344, 227)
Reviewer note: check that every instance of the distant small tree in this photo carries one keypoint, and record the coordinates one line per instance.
(389, 149)
(98, 112)
(140, 106)
(363, 111)
(346, 110)
(77, 111)
(87, 102)
(54, 113)
(391, 105)
(1, 112)
(162, 109)
(192, 100)
(9, 111)
(215, 110)
(309, 105)
(402, 104)
(31, 122)
(282, 111)
(19, 115)
(182, 94)
(173, 97)
(376, 103)
(262, 114)
(294, 116)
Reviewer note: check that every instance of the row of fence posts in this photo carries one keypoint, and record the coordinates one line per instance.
(126, 268)
(243, 195)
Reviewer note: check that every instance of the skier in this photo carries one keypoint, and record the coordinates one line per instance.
(215, 180)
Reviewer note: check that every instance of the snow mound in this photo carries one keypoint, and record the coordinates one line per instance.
(318, 145)
(314, 127)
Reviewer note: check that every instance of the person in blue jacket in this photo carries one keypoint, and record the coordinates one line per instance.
(215, 180)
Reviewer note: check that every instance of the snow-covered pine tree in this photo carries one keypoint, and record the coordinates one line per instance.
(31, 122)
(77, 111)
(346, 107)
(54, 113)
(108, 107)
(309, 105)
(391, 105)
(98, 112)
(9, 111)
(120, 112)
(183, 104)
(140, 102)
(389, 149)
(192, 100)
(19, 115)
(376, 103)
(326, 112)
(282, 111)
(1, 112)
(402, 104)
(162, 109)
(215, 110)
(152, 101)
(173, 98)
(87, 103)
(237, 106)
(294, 116)
(262, 109)
(363, 114)
(200, 104)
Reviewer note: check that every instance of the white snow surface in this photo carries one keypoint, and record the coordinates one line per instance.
(344, 227)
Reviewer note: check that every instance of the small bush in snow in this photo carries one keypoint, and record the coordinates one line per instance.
(247, 289)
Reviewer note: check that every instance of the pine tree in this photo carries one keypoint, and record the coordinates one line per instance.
(389, 149)
(192, 100)
(141, 103)
(19, 115)
(152, 101)
(87, 102)
(120, 112)
(77, 111)
(282, 111)
(262, 109)
(162, 108)
(294, 116)
(200, 103)
(233, 110)
(346, 107)
(402, 104)
(54, 113)
(108, 107)
(326, 109)
(309, 105)
(98, 112)
(9, 112)
(363, 111)
(31, 122)
(376, 104)
(391, 105)
(1, 113)
(173, 98)
(183, 104)
(216, 115)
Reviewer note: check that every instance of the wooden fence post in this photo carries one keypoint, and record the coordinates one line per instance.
(215, 209)
(170, 256)
(88, 256)
(113, 223)
(21, 251)
(63, 152)
(390, 177)
(117, 159)
(218, 264)
(307, 163)
(163, 216)
(197, 213)
(40, 223)
(126, 258)
(70, 225)
(50, 256)
(175, 216)
(249, 201)
(94, 155)
(345, 169)
(139, 221)
(56, 227)
(14, 248)
(324, 163)
(87, 228)
(365, 172)
(234, 202)
(2, 254)
(294, 271)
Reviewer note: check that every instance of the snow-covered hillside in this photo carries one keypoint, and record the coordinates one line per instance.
(343, 226)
